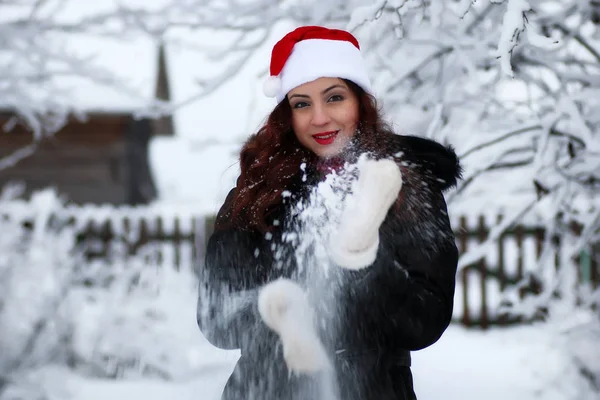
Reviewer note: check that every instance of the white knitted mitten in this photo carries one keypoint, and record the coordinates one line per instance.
(357, 239)
(283, 306)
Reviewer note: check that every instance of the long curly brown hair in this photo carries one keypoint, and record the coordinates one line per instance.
(271, 159)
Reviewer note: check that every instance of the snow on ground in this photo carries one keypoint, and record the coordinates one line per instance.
(514, 363)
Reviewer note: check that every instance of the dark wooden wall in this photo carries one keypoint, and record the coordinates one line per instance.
(86, 161)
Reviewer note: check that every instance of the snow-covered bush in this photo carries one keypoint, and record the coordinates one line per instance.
(36, 268)
(124, 316)
(137, 320)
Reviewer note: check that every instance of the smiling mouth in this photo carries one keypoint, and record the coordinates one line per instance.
(325, 138)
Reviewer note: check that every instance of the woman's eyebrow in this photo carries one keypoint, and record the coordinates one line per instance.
(337, 85)
(299, 95)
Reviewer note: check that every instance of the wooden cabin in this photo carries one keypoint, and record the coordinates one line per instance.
(102, 159)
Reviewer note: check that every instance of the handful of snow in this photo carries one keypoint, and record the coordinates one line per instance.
(283, 306)
(376, 189)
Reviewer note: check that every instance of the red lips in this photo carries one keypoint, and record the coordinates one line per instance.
(325, 138)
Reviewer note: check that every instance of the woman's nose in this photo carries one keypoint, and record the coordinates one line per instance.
(320, 115)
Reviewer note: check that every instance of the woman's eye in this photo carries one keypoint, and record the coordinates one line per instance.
(300, 104)
(336, 97)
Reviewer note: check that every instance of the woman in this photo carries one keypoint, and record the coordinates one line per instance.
(395, 288)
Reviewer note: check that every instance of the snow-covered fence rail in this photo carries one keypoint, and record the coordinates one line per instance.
(509, 272)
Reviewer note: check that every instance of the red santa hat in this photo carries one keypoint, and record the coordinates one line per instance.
(311, 52)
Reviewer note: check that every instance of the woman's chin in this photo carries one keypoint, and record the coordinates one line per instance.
(332, 150)
(328, 152)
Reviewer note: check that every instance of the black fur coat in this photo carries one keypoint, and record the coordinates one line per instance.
(402, 302)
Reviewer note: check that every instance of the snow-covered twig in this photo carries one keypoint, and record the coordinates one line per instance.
(18, 155)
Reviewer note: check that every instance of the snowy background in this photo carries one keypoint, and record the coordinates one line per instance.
(513, 85)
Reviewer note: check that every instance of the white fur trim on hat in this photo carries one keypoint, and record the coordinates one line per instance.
(317, 58)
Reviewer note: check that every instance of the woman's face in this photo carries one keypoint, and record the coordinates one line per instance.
(325, 113)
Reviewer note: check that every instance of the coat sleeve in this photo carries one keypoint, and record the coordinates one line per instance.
(229, 282)
(405, 299)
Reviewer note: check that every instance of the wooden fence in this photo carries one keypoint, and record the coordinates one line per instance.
(168, 239)
(178, 242)
(481, 287)
(509, 272)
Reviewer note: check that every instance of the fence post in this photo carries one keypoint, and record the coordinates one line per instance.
(482, 267)
(177, 243)
(199, 244)
(519, 233)
(160, 232)
(462, 248)
(106, 233)
(144, 234)
(539, 242)
(501, 261)
(502, 278)
(127, 238)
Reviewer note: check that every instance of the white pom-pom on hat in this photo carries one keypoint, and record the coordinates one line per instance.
(272, 86)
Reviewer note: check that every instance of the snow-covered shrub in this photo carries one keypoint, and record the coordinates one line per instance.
(135, 319)
(37, 262)
(122, 316)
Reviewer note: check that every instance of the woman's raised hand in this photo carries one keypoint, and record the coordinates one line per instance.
(355, 244)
